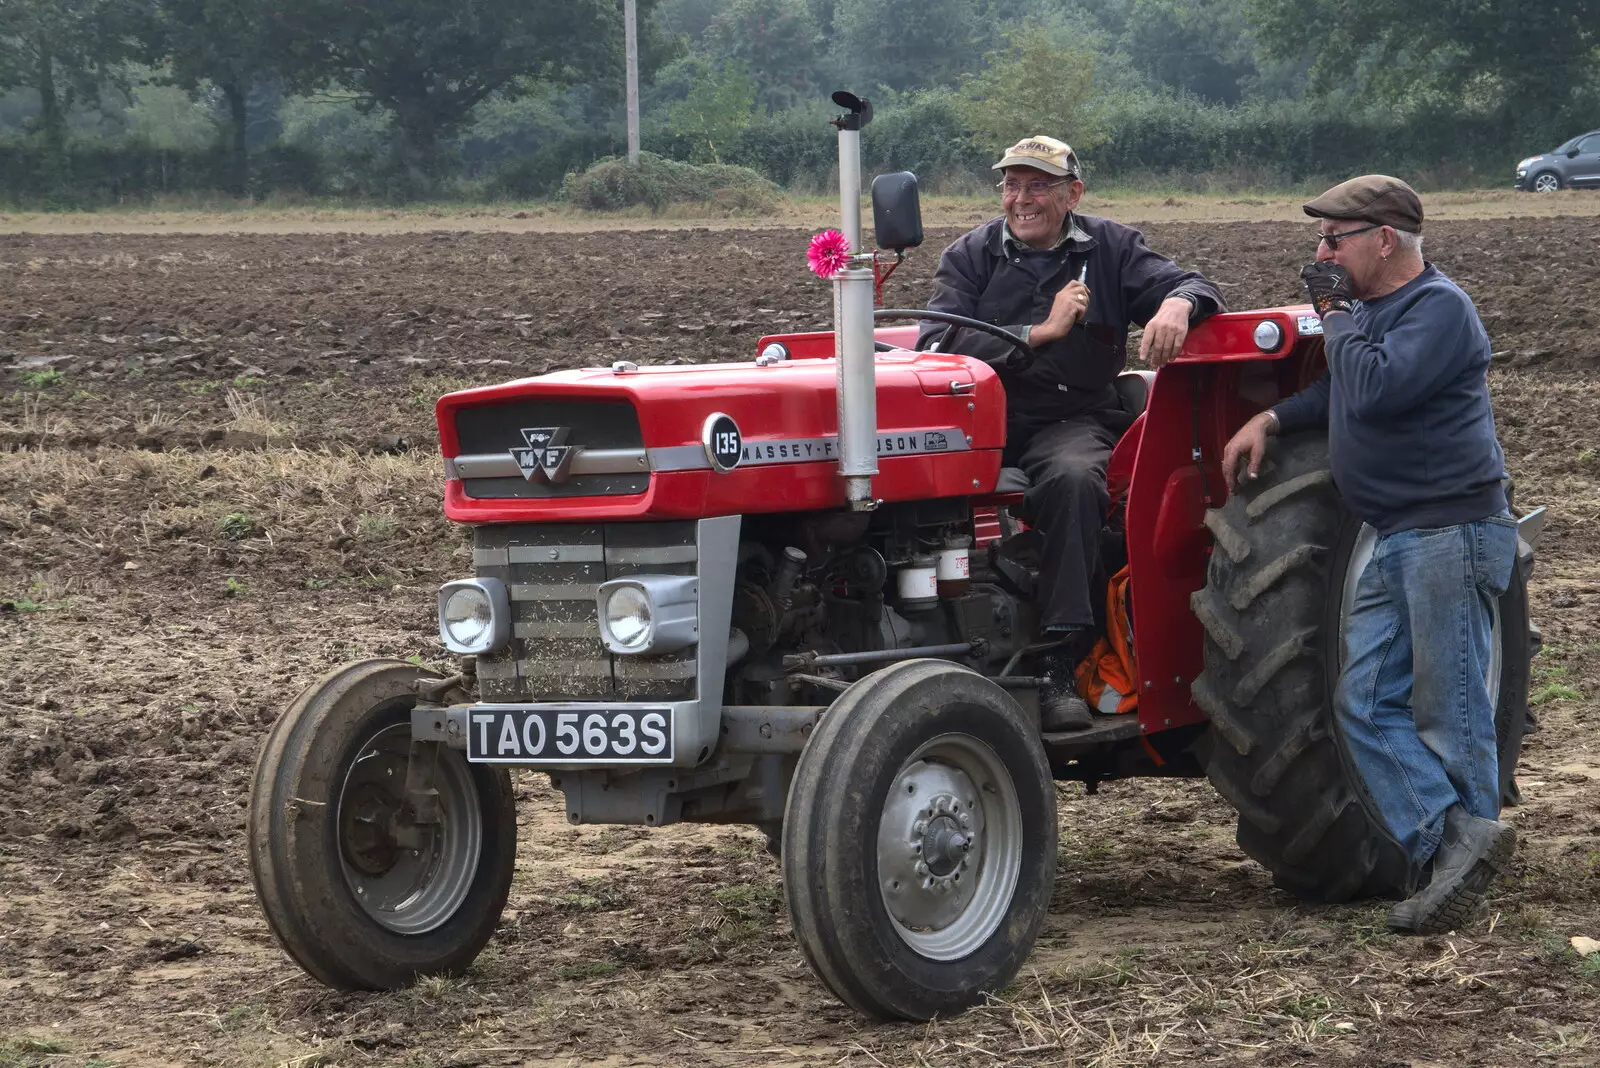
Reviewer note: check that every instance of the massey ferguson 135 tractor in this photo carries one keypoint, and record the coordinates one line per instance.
(796, 593)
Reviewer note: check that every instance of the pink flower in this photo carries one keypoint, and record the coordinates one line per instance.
(828, 252)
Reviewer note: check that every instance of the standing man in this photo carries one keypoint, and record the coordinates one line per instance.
(1411, 440)
(1069, 285)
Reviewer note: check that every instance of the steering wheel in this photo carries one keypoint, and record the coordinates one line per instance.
(952, 322)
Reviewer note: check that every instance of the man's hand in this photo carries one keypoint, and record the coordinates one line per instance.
(1248, 445)
(1071, 305)
(1329, 287)
(1165, 332)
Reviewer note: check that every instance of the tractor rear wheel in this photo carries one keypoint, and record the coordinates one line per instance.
(355, 899)
(1288, 554)
(919, 842)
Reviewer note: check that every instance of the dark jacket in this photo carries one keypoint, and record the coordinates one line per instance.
(1406, 403)
(982, 275)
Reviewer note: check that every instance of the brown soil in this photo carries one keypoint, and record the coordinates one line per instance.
(219, 477)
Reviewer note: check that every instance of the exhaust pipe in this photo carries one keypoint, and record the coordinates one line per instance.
(856, 385)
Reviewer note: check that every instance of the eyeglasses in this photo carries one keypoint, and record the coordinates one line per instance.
(1334, 239)
(1036, 188)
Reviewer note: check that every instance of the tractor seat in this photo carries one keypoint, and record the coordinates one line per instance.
(1133, 390)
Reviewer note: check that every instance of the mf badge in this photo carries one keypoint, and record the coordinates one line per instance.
(545, 455)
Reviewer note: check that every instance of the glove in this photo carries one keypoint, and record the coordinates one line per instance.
(1329, 286)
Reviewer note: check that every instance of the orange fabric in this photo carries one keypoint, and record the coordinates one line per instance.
(1108, 677)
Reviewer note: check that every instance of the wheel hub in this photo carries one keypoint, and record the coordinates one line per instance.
(930, 845)
(947, 836)
(364, 832)
(408, 889)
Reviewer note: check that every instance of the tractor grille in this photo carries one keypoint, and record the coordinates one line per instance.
(552, 572)
(496, 429)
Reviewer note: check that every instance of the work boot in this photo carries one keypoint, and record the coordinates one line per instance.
(1471, 852)
(1060, 707)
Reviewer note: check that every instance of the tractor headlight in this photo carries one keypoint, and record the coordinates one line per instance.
(648, 613)
(626, 617)
(1268, 335)
(474, 615)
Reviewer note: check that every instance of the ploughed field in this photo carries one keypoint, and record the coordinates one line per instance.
(219, 478)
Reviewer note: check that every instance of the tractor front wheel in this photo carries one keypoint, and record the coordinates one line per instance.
(919, 842)
(1279, 586)
(361, 898)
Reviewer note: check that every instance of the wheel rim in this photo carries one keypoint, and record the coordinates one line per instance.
(407, 891)
(1546, 183)
(1360, 556)
(950, 847)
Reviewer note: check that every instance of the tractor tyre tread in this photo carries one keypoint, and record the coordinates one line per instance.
(1265, 676)
(1270, 609)
(290, 835)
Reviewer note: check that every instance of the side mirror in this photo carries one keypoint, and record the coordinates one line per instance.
(1573, 154)
(896, 211)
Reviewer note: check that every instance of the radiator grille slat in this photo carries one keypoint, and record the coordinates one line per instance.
(552, 572)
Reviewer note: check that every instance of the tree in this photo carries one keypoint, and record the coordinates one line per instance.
(1032, 87)
(1533, 55)
(719, 105)
(232, 45)
(430, 62)
(1203, 47)
(906, 44)
(777, 40)
(63, 50)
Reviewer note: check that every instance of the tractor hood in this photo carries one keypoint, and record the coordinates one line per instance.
(711, 439)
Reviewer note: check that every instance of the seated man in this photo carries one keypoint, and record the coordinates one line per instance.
(1069, 285)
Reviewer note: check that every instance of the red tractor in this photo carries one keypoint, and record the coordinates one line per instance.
(795, 593)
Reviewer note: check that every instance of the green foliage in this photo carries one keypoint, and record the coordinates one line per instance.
(430, 63)
(236, 526)
(1032, 88)
(26, 1051)
(93, 173)
(541, 173)
(1523, 55)
(907, 44)
(1203, 47)
(171, 119)
(776, 43)
(64, 50)
(719, 105)
(507, 98)
(1554, 691)
(44, 379)
(613, 184)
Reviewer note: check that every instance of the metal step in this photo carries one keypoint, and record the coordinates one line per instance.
(1106, 729)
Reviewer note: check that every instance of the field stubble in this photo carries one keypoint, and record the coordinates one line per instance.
(219, 477)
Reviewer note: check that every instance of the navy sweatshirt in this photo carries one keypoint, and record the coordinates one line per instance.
(1406, 403)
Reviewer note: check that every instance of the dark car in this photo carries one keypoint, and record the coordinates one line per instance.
(1575, 165)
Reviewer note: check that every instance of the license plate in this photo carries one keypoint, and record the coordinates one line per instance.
(634, 734)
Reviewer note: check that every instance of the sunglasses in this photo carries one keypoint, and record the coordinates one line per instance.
(1334, 239)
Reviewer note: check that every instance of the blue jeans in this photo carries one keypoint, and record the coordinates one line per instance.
(1413, 702)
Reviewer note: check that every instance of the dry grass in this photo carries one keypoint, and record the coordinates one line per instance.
(301, 506)
(1225, 1004)
(250, 417)
(35, 420)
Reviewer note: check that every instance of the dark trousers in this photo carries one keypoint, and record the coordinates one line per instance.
(1066, 500)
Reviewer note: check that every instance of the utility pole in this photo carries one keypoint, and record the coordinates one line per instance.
(630, 14)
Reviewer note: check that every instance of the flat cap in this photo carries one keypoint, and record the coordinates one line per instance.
(1376, 198)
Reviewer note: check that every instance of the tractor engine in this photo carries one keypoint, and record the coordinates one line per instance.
(822, 598)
